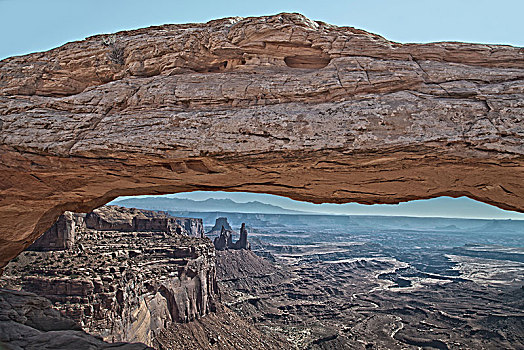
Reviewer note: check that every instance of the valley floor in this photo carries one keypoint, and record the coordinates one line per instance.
(345, 305)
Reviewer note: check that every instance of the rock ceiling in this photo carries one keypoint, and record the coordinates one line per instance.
(279, 104)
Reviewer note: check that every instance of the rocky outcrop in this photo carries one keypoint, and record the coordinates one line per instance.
(278, 104)
(220, 224)
(225, 239)
(111, 218)
(60, 236)
(122, 285)
(29, 322)
(242, 242)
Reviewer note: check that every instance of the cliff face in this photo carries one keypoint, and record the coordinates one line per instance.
(123, 285)
(130, 219)
(60, 236)
(279, 104)
(29, 322)
(225, 239)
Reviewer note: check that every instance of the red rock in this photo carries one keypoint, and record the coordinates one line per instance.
(277, 104)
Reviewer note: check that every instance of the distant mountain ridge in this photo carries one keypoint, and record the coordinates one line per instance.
(208, 205)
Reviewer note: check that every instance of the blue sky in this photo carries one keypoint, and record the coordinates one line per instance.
(36, 25)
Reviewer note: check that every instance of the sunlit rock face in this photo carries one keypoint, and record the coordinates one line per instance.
(111, 218)
(279, 104)
(61, 236)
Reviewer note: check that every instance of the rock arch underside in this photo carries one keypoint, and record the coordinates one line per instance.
(279, 104)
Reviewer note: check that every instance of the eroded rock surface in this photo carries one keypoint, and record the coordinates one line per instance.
(29, 322)
(278, 104)
(61, 236)
(219, 224)
(115, 218)
(346, 304)
(225, 239)
(123, 285)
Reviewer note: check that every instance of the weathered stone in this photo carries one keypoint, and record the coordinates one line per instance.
(242, 242)
(128, 287)
(115, 218)
(220, 224)
(278, 104)
(224, 240)
(60, 236)
(29, 322)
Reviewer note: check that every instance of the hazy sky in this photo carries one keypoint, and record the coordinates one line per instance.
(437, 207)
(35, 25)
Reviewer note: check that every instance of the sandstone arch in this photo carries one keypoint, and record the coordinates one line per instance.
(348, 116)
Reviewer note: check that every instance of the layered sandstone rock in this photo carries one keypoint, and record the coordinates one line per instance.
(278, 104)
(123, 285)
(29, 322)
(60, 236)
(115, 218)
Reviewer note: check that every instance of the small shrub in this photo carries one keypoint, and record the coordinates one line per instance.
(116, 50)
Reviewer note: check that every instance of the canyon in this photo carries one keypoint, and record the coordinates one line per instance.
(277, 104)
(127, 279)
(372, 282)
(310, 282)
(125, 275)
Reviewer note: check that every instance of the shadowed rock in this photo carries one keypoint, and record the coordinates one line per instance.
(225, 239)
(220, 224)
(242, 243)
(60, 236)
(29, 322)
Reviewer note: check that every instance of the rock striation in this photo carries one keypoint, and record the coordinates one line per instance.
(122, 285)
(276, 104)
(61, 236)
(115, 218)
(225, 239)
(29, 322)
